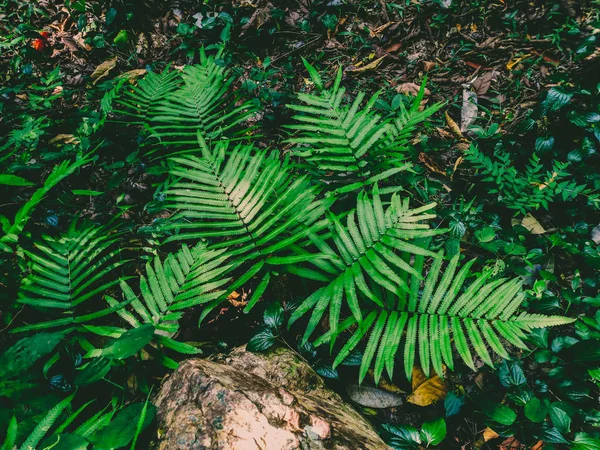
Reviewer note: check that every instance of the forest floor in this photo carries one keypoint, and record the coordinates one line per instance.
(493, 63)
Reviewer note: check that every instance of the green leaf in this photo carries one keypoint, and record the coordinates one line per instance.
(86, 192)
(129, 343)
(511, 374)
(64, 441)
(432, 433)
(536, 410)
(560, 419)
(401, 437)
(585, 441)
(13, 180)
(557, 98)
(123, 428)
(261, 341)
(22, 355)
(273, 315)
(500, 413)
(11, 435)
(453, 403)
(93, 371)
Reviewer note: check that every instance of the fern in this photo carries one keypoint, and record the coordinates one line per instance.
(177, 106)
(185, 279)
(349, 145)
(243, 200)
(69, 270)
(481, 315)
(364, 254)
(14, 230)
(527, 190)
(46, 423)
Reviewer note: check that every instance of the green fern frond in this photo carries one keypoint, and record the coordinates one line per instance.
(248, 202)
(350, 144)
(481, 316)
(69, 270)
(46, 423)
(182, 280)
(365, 254)
(59, 173)
(177, 106)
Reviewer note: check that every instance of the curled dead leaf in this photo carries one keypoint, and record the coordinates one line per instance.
(468, 111)
(133, 74)
(532, 224)
(372, 65)
(103, 69)
(453, 127)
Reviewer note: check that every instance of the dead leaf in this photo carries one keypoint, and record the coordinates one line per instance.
(532, 225)
(453, 126)
(430, 164)
(482, 83)
(64, 138)
(372, 65)
(513, 62)
(133, 74)
(539, 445)
(429, 65)
(258, 18)
(393, 48)
(510, 443)
(469, 108)
(411, 89)
(426, 390)
(487, 435)
(103, 69)
(457, 163)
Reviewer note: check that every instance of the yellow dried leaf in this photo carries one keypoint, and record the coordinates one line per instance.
(133, 74)
(370, 66)
(426, 390)
(513, 62)
(532, 225)
(103, 69)
(487, 435)
(453, 126)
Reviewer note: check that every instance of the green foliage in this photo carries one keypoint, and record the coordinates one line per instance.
(352, 146)
(176, 107)
(68, 271)
(527, 190)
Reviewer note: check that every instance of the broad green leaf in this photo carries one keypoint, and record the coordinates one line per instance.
(261, 341)
(432, 433)
(129, 343)
(123, 427)
(536, 410)
(13, 180)
(23, 354)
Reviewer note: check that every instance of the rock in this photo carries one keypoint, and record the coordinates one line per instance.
(373, 397)
(256, 401)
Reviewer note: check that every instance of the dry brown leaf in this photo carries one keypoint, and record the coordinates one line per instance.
(532, 224)
(510, 443)
(429, 65)
(133, 74)
(372, 65)
(411, 89)
(103, 69)
(64, 138)
(426, 390)
(393, 48)
(487, 435)
(482, 83)
(453, 126)
(430, 164)
(457, 163)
